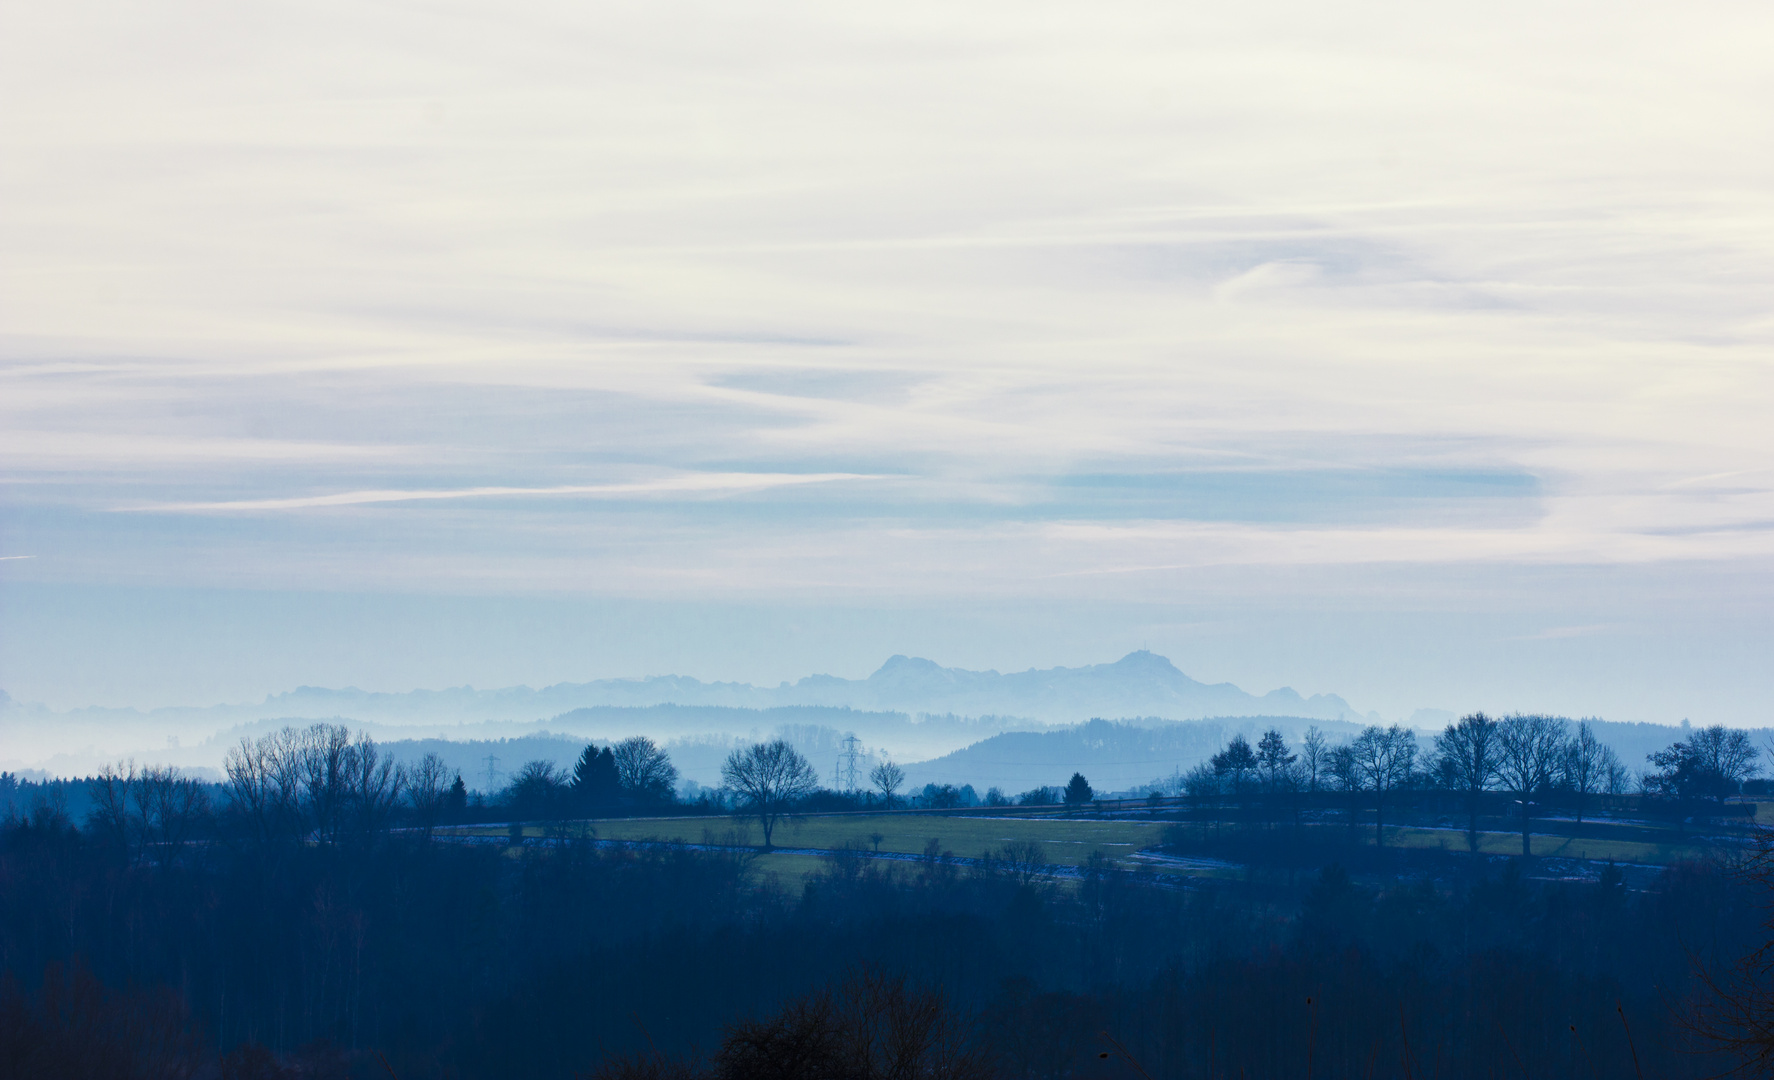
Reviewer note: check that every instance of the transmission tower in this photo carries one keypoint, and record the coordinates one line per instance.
(846, 777)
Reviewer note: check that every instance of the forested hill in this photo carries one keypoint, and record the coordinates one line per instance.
(1115, 756)
(1123, 755)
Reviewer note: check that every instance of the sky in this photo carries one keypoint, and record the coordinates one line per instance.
(1416, 354)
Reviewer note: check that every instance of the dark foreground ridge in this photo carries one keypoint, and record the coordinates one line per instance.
(327, 913)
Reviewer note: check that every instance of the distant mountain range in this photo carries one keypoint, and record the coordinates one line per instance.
(945, 725)
(1141, 684)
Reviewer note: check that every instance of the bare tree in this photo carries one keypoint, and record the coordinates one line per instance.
(264, 785)
(887, 777)
(1585, 766)
(1532, 752)
(169, 806)
(1025, 861)
(769, 777)
(1383, 759)
(644, 772)
(537, 790)
(318, 780)
(1729, 752)
(373, 786)
(1341, 766)
(871, 1027)
(109, 792)
(1467, 753)
(428, 791)
(321, 763)
(1313, 763)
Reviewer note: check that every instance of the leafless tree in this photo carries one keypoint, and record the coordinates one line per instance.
(643, 771)
(537, 790)
(317, 780)
(1384, 758)
(168, 806)
(887, 777)
(1584, 768)
(428, 790)
(263, 783)
(1313, 762)
(1023, 860)
(1467, 753)
(373, 786)
(1342, 769)
(1735, 1011)
(1532, 753)
(1711, 762)
(1728, 751)
(769, 777)
(872, 1027)
(321, 763)
(109, 792)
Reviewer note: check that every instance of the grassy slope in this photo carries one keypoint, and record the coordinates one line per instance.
(1065, 840)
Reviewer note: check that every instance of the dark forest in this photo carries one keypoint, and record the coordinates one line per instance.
(220, 932)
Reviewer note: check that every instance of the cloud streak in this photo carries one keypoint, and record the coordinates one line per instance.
(893, 301)
(700, 484)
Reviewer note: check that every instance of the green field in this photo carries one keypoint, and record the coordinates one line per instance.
(1065, 840)
(1551, 846)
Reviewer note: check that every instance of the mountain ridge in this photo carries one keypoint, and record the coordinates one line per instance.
(1141, 683)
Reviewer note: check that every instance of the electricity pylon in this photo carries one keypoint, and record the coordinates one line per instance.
(847, 778)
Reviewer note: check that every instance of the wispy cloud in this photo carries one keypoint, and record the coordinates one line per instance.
(1560, 633)
(1102, 303)
(697, 484)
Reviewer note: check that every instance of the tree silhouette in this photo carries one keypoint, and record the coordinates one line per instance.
(1467, 755)
(1532, 748)
(887, 777)
(644, 772)
(1314, 761)
(1586, 765)
(596, 782)
(1383, 759)
(536, 790)
(1711, 763)
(1273, 760)
(1235, 763)
(1078, 791)
(769, 777)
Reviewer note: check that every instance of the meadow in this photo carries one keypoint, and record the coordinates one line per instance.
(1070, 840)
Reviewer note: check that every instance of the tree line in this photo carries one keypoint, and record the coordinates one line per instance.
(1531, 756)
(321, 960)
